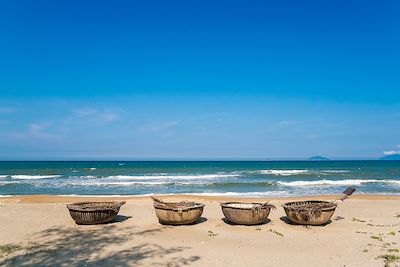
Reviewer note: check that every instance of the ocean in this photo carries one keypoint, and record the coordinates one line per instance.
(233, 178)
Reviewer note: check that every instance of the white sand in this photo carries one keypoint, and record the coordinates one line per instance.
(48, 236)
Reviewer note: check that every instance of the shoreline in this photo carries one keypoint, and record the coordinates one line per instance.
(36, 199)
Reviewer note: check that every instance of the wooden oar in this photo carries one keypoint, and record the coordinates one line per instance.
(346, 193)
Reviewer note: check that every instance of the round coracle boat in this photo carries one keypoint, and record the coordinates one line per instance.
(312, 212)
(94, 212)
(246, 213)
(177, 213)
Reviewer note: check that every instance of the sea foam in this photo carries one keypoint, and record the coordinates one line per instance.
(171, 176)
(116, 183)
(33, 177)
(283, 172)
(301, 172)
(337, 182)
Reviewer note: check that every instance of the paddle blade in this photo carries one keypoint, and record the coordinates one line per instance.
(157, 200)
(346, 193)
(267, 204)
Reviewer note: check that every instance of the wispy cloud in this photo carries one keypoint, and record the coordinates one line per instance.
(195, 121)
(316, 122)
(59, 127)
(312, 136)
(158, 127)
(7, 110)
(394, 115)
(109, 116)
(285, 123)
(34, 131)
(39, 131)
(217, 116)
(85, 111)
(99, 116)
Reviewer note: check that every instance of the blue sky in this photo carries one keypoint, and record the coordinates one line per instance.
(199, 79)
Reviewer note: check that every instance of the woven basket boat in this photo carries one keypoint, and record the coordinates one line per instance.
(311, 212)
(94, 212)
(177, 213)
(246, 213)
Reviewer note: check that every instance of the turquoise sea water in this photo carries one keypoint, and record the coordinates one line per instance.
(237, 178)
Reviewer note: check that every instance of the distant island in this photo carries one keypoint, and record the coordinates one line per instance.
(318, 158)
(391, 157)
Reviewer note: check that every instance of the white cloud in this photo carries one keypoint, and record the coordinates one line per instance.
(391, 152)
(398, 146)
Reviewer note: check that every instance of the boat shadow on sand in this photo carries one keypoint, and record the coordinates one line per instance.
(233, 224)
(199, 221)
(119, 218)
(286, 220)
(109, 244)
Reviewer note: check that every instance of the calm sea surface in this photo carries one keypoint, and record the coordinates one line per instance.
(236, 178)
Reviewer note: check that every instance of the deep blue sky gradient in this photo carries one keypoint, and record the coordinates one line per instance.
(199, 79)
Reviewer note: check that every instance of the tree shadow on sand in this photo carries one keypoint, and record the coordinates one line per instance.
(100, 245)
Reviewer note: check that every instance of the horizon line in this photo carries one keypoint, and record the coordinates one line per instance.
(177, 159)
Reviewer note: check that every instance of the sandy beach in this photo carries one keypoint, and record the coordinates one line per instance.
(38, 230)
